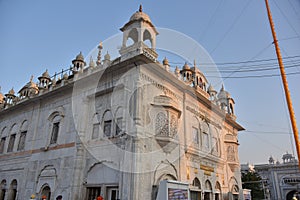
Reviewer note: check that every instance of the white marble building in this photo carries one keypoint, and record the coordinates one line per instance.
(281, 180)
(118, 128)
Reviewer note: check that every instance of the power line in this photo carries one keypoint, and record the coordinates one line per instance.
(269, 132)
(285, 17)
(211, 20)
(254, 76)
(231, 27)
(241, 62)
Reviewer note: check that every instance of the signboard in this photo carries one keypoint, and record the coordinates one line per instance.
(173, 190)
(177, 194)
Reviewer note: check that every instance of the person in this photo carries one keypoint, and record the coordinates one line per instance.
(59, 197)
(99, 198)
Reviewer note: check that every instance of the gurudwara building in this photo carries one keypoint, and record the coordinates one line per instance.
(128, 128)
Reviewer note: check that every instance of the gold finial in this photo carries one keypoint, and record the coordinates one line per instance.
(195, 63)
(141, 8)
(31, 78)
(100, 47)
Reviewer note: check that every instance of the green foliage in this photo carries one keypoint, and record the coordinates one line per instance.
(252, 181)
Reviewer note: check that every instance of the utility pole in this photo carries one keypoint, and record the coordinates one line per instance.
(285, 84)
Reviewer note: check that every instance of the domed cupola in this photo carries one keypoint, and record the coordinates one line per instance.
(2, 99)
(199, 78)
(225, 101)
(78, 63)
(44, 80)
(186, 73)
(10, 97)
(166, 64)
(288, 158)
(212, 93)
(29, 89)
(139, 29)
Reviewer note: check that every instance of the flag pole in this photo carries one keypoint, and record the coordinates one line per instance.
(285, 84)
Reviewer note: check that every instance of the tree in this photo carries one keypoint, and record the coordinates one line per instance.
(251, 180)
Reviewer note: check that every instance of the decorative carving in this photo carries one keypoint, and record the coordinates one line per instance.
(231, 154)
(162, 124)
(203, 117)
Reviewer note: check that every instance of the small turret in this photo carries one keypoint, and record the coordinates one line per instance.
(166, 64)
(225, 101)
(2, 99)
(106, 61)
(78, 63)
(212, 93)
(10, 98)
(92, 63)
(44, 80)
(30, 89)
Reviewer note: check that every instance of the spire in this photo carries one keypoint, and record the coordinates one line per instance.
(222, 88)
(91, 64)
(141, 8)
(100, 47)
(195, 63)
(31, 78)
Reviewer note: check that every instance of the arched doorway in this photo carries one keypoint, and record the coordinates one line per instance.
(218, 191)
(46, 191)
(235, 192)
(2, 189)
(195, 189)
(13, 190)
(208, 191)
(291, 194)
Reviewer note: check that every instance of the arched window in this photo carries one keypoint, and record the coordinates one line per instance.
(2, 189)
(13, 190)
(195, 133)
(96, 127)
(147, 38)
(22, 139)
(215, 142)
(132, 37)
(12, 138)
(206, 137)
(118, 121)
(46, 192)
(55, 120)
(107, 124)
(3, 139)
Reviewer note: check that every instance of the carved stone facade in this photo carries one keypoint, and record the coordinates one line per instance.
(119, 127)
(280, 180)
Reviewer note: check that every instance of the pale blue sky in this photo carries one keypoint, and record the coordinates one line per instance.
(41, 34)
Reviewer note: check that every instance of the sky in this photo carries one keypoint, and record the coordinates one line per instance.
(36, 35)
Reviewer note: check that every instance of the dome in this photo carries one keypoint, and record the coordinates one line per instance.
(107, 56)
(30, 85)
(223, 94)
(1, 97)
(80, 57)
(165, 61)
(287, 156)
(140, 15)
(46, 74)
(211, 88)
(186, 66)
(11, 91)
